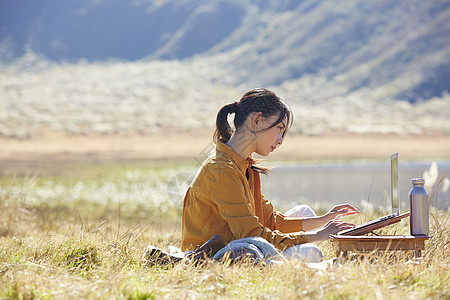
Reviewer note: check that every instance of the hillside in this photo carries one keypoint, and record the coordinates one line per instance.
(359, 43)
(357, 66)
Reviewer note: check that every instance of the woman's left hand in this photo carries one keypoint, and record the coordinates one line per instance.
(336, 213)
(341, 210)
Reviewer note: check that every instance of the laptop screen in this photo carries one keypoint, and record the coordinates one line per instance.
(394, 183)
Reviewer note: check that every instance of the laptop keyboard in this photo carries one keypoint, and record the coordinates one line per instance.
(387, 217)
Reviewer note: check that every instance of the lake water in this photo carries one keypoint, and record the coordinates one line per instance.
(358, 183)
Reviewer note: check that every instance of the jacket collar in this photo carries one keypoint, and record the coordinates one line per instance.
(242, 163)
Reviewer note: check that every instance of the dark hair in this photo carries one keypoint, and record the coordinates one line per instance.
(256, 100)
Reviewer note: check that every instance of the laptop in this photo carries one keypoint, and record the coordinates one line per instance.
(357, 230)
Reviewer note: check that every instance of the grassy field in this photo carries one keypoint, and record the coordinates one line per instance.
(81, 234)
(144, 98)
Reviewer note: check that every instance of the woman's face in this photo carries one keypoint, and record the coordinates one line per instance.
(267, 141)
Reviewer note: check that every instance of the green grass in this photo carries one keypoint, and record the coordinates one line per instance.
(88, 249)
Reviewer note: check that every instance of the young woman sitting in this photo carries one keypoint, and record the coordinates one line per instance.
(225, 197)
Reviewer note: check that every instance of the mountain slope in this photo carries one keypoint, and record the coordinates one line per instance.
(358, 44)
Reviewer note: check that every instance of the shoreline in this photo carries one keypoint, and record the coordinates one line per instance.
(53, 150)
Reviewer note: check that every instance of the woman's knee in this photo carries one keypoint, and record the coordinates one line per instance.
(301, 211)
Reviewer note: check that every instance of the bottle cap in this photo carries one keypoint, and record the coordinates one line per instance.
(418, 181)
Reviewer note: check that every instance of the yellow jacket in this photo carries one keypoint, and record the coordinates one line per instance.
(221, 200)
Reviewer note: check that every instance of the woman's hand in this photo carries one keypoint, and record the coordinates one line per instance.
(336, 213)
(340, 211)
(332, 227)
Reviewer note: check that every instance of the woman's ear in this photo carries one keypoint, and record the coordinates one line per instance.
(256, 118)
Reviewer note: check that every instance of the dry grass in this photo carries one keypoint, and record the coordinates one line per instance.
(144, 98)
(91, 251)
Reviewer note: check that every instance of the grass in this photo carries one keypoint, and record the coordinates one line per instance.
(57, 249)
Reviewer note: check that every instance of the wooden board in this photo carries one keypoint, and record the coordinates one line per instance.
(364, 244)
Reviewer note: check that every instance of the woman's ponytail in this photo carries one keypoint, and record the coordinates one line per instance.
(223, 129)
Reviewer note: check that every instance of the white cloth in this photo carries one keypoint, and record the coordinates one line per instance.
(308, 253)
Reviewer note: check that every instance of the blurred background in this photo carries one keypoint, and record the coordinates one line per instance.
(85, 80)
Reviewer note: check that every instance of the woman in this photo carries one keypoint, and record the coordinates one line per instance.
(225, 197)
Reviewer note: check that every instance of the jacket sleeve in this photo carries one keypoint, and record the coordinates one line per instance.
(234, 207)
(275, 220)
